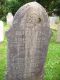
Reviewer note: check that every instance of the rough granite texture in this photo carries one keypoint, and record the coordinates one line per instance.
(28, 41)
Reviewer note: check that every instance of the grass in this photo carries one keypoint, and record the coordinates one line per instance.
(3, 56)
(52, 65)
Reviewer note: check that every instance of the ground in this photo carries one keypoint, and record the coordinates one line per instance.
(52, 65)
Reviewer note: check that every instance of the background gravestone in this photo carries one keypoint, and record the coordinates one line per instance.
(28, 41)
(1, 31)
(9, 18)
(54, 21)
(58, 34)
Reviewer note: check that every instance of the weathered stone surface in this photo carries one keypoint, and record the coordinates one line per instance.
(28, 41)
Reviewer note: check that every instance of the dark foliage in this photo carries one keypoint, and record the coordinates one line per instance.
(51, 6)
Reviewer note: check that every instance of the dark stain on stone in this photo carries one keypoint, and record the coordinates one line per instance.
(39, 19)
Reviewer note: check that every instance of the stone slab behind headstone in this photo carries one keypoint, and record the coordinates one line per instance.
(53, 20)
(1, 31)
(28, 41)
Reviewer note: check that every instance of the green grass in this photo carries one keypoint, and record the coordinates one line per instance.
(3, 55)
(2, 59)
(52, 65)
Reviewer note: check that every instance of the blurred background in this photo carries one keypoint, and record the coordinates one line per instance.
(51, 6)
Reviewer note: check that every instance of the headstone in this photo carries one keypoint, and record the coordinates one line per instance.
(28, 41)
(9, 19)
(1, 31)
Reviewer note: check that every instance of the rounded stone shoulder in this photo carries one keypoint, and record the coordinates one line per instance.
(29, 6)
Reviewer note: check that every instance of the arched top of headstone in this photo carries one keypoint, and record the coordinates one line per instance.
(32, 13)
